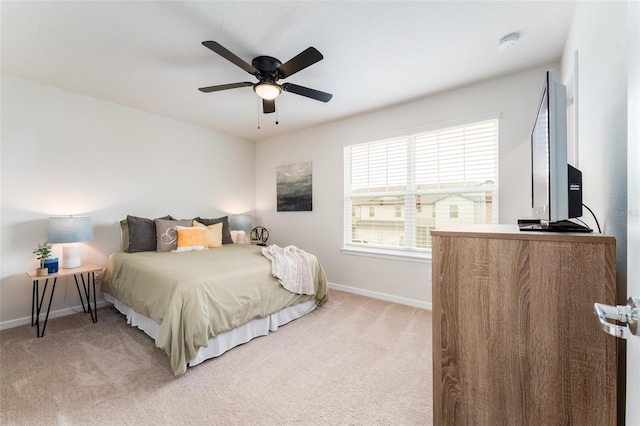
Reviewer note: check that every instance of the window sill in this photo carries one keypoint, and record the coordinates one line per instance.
(405, 256)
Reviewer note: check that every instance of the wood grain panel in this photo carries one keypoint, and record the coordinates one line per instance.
(549, 276)
(515, 339)
(509, 317)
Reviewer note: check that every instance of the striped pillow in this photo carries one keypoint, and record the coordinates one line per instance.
(190, 238)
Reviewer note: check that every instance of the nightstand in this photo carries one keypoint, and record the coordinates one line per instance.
(88, 286)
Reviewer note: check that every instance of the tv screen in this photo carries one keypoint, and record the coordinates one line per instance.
(549, 154)
(556, 186)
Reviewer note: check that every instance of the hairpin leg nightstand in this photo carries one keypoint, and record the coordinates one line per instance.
(88, 287)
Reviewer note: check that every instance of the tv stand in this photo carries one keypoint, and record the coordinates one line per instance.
(559, 226)
(515, 341)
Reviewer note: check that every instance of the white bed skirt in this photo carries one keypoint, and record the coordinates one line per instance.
(224, 341)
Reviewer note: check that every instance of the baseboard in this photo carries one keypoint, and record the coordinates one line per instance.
(368, 293)
(53, 314)
(382, 296)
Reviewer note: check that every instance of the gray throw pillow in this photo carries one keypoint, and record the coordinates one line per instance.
(142, 233)
(166, 235)
(226, 231)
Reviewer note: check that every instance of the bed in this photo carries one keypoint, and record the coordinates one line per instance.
(199, 304)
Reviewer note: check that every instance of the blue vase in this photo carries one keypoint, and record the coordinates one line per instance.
(51, 265)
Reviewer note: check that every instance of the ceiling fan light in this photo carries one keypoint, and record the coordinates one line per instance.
(267, 91)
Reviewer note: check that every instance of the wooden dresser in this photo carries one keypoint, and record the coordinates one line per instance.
(515, 340)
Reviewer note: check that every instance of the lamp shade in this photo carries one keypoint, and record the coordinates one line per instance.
(70, 229)
(240, 222)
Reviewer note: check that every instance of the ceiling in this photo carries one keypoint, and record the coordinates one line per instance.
(149, 54)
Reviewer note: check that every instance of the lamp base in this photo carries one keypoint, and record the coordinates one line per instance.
(239, 237)
(71, 256)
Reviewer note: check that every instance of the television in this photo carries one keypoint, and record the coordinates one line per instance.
(556, 186)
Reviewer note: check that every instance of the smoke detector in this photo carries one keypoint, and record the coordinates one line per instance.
(507, 42)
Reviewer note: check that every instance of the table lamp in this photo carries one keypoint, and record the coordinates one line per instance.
(241, 223)
(69, 230)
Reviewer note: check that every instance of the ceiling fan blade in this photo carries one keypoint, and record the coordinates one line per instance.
(224, 87)
(299, 62)
(268, 106)
(305, 91)
(230, 56)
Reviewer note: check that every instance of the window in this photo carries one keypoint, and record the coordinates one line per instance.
(420, 181)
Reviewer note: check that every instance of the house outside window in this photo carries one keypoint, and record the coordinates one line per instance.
(420, 181)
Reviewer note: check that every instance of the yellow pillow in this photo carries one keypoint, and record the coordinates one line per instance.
(212, 235)
(190, 238)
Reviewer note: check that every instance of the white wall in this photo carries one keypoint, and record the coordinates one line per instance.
(600, 35)
(320, 232)
(65, 153)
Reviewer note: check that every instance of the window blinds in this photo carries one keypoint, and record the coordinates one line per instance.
(398, 189)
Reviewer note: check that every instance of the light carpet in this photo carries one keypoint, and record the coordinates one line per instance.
(353, 361)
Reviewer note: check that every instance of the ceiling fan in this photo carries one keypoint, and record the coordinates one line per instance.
(268, 71)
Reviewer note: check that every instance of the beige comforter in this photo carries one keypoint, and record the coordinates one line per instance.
(197, 295)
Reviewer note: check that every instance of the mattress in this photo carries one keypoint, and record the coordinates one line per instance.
(193, 297)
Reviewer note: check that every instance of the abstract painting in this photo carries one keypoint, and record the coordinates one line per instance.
(293, 187)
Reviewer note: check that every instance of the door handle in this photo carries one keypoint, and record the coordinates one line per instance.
(627, 315)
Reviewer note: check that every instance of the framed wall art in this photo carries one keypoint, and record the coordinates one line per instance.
(294, 187)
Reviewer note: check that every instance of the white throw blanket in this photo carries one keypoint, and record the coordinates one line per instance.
(291, 268)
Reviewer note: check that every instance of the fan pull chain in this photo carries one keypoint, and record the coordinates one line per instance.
(259, 106)
(276, 116)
